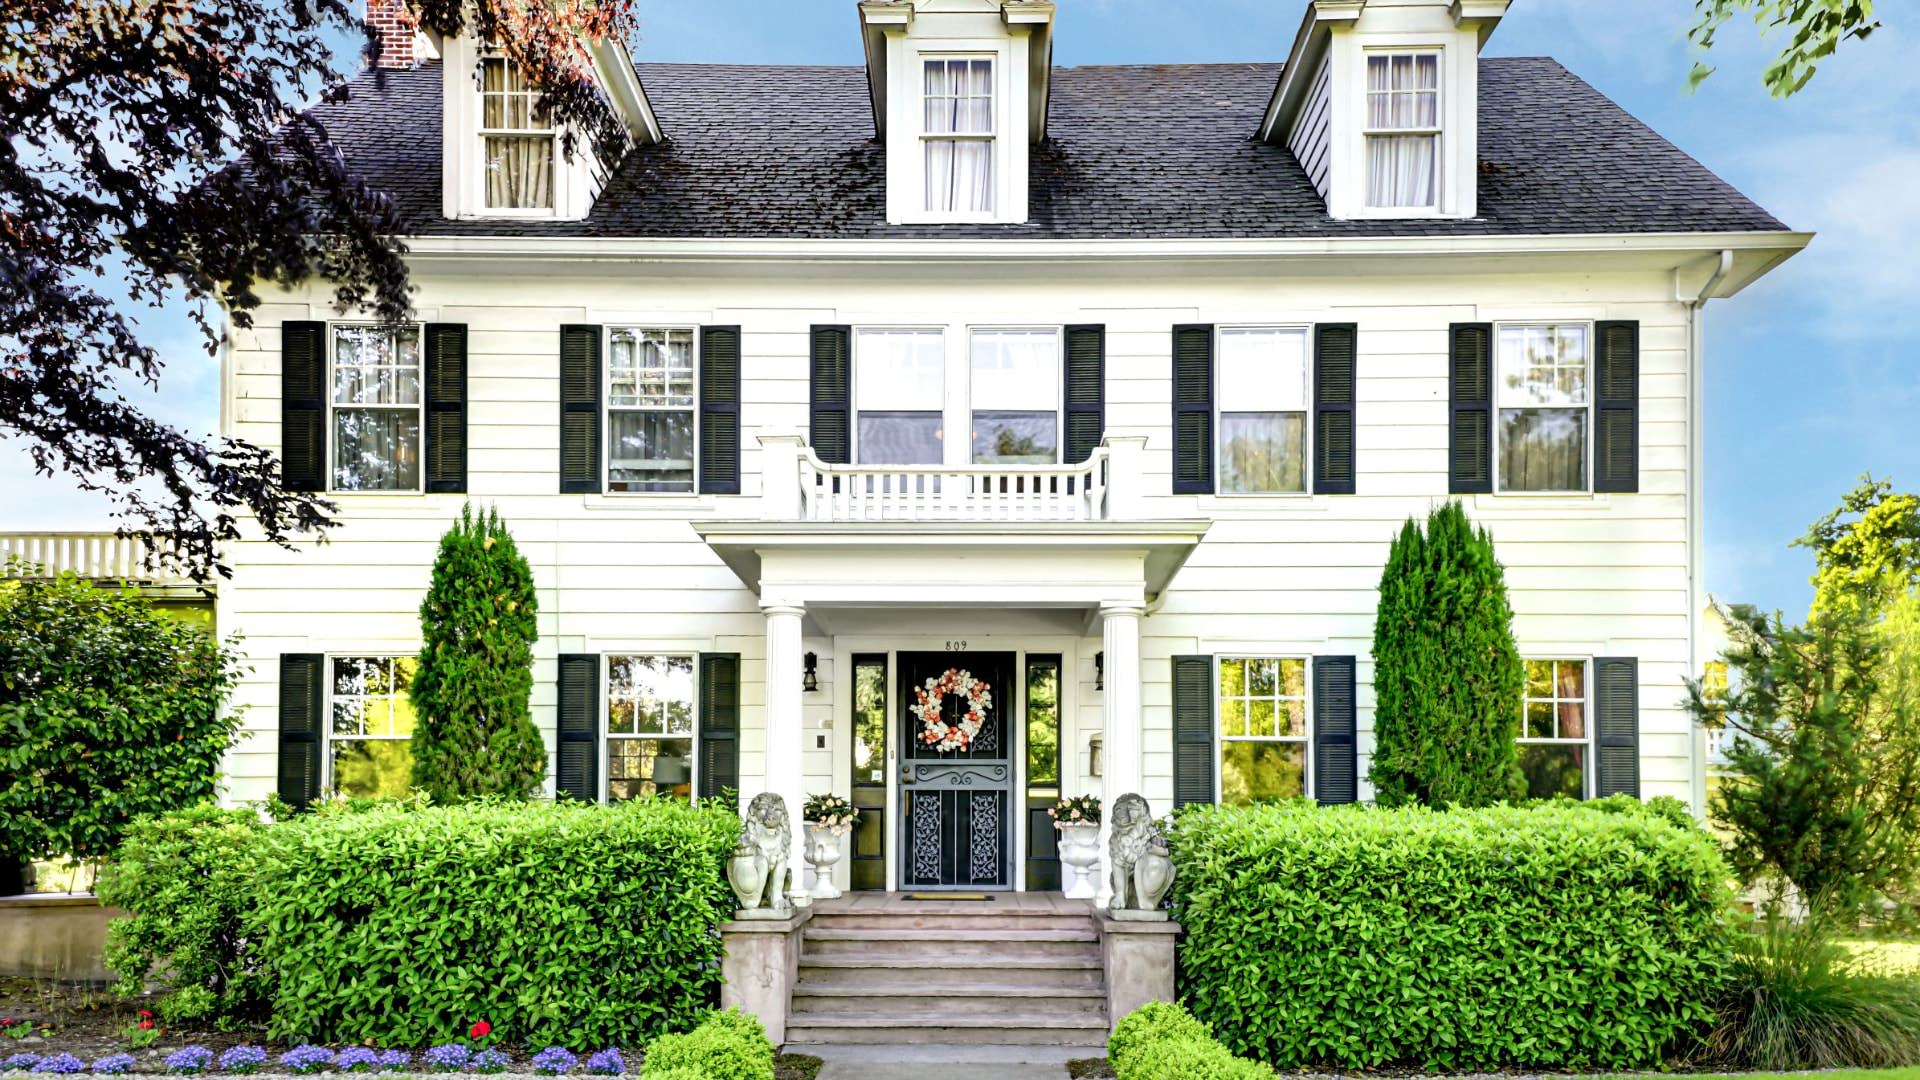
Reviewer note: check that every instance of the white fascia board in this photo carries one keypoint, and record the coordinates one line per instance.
(1303, 63)
(622, 80)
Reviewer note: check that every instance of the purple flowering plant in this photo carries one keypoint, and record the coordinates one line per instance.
(356, 1059)
(554, 1061)
(189, 1059)
(448, 1057)
(306, 1059)
(244, 1058)
(113, 1064)
(607, 1062)
(19, 1062)
(394, 1060)
(63, 1064)
(491, 1060)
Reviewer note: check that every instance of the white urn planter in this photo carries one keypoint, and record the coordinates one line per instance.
(823, 851)
(1080, 854)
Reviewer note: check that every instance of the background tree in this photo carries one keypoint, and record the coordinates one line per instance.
(1818, 27)
(1866, 551)
(156, 150)
(1447, 675)
(472, 691)
(108, 710)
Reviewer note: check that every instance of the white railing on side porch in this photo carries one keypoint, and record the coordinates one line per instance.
(1102, 488)
(102, 556)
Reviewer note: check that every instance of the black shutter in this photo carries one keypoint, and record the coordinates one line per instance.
(1470, 386)
(720, 410)
(446, 379)
(1335, 366)
(579, 409)
(831, 374)
(1192, 730)
(1085, 379)
(578, 749)
(718, 751)
(1616, 707)
(1616, 416)
(300, 697)
(1336, 759)
(1193, 410)
(303, 406)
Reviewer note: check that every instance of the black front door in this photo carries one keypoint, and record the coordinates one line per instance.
(956, 783)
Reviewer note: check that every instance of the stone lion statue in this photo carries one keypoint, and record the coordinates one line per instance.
(1142, 868)
(758, 869)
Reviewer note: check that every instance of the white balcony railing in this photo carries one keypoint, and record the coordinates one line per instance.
(1098, 489)
(101, 556)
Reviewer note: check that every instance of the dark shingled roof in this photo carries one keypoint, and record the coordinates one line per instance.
(1162, 151)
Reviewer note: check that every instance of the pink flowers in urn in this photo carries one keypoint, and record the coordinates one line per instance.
(1077, 810)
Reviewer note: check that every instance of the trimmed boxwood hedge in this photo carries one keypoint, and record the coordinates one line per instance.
(1552, 936)
(560, 924)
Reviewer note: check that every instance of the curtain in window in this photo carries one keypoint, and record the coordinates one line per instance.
(959, 100)
(376, 449)
(1543, 449)
(519, 172)
(1403, 94)
(1400, 169)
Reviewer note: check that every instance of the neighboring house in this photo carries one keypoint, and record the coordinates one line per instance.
(1108, 386)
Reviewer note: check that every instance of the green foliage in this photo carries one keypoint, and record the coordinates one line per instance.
(1447, 675)
(472, 693)
(1546, 937)
(1866, 551)
(1818, 27)
(1163, 1041)
(562, 924)
(1156, 1021)
(185, 877)
(108, 710)
(725, 1046)
(1799, 1000)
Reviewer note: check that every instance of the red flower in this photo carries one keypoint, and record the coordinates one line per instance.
(146, 1025)
(480, 1029)
(145, 1015)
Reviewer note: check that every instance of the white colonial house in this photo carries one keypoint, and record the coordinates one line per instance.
(1095, 393)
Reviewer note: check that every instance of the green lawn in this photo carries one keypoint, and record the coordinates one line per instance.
(1837, 1074)
(1886, 957)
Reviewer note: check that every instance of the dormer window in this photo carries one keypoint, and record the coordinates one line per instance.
(959, 135)
(1403, 131)
(517, 141)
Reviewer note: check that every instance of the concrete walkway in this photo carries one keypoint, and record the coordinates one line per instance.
(935, 1061)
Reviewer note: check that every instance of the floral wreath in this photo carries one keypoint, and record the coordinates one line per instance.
(930, 708)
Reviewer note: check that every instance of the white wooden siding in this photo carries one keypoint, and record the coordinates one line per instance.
(1589, 575)
(1311, 141)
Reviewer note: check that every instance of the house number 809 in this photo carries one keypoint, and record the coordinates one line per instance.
(956, 646)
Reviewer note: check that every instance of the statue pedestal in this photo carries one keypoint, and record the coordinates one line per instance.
(1136, 949)
(760, 964)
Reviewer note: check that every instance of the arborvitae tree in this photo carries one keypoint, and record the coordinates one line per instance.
(471, 694)
(1447, 675)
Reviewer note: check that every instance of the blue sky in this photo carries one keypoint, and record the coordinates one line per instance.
(1811, 375)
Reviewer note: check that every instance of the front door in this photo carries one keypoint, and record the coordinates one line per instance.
(956, 770)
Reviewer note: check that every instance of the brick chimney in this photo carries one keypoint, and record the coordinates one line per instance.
(397, 31)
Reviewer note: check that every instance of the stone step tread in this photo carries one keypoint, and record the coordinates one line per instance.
(839, 1035)
(943, 988)
(919, 1020)
(962, 934)
(970, 964)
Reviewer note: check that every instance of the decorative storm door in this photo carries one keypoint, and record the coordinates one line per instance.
(956, 770)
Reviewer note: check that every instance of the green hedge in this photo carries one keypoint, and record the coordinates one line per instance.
(1162, 1041)
(1553, 936)
(568, 924)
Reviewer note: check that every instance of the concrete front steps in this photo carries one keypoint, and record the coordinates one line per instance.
(964, 974)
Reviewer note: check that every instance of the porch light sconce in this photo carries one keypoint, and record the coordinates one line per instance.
(1095, 744)
(810, 680)
(1100, 672)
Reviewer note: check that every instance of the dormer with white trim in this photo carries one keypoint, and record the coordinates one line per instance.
(502, 158)
(1379, 101)
(959, 91)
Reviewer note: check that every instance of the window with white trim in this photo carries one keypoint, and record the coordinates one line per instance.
(1262, 396)
(1543, 404)
(1015, 397)
(1554, 735)
(516, 140)
(958, 135)
(1403, 130)
(899, 395)
(650, 726)
(370, 722)
(1263, 728)
(651, 387)
(374, 375)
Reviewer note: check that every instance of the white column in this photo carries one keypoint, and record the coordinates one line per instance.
(1121, 770)
(783, 690)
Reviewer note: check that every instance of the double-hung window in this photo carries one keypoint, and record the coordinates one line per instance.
(958, 134)
(370, 725)
(650, 409)
(1403, 131)
(1543, 405)
(650, 726)
(516, 138)
(1554, 735)
(375, 399)
(1262, 714)
(899, 392)
(1262, 374)
(1016, 397)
